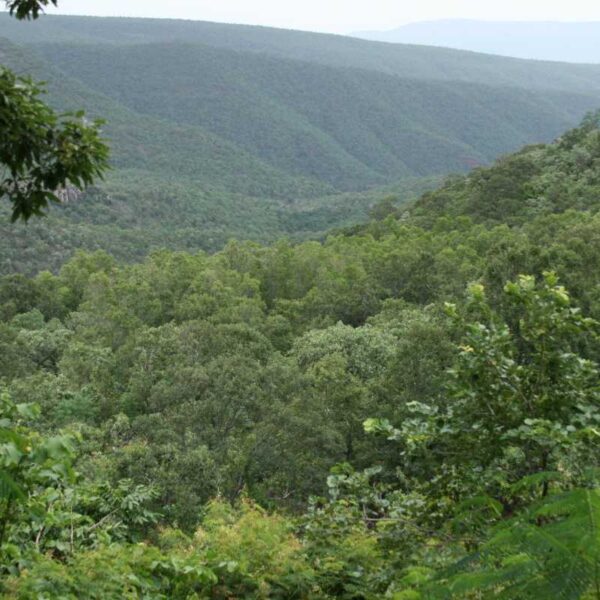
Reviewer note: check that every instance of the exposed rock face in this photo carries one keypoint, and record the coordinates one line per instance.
(68, 194)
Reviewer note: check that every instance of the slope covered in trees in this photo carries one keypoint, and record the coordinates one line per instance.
(219, 131)
(339, 51)
(349, 128)
(407, 409)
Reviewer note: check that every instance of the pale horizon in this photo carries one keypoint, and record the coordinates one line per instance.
(335, 16)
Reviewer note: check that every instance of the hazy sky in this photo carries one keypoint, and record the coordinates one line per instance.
(339, 16)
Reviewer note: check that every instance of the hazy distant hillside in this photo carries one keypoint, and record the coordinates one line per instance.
(415, 61)
(160, 146)
(572, 42)
(348, 128)
(219, 131)
(263, 125)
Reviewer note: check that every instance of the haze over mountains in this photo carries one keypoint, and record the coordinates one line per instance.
(557, 41)
(223, 130)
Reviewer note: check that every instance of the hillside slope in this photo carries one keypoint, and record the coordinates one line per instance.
(403, 60)
(156, 145)
(222, 131)
(538, 180)
(350, 128)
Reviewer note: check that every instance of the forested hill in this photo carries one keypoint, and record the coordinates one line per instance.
(404, 60)
(538, 180)
(222, 131)
(349, 128)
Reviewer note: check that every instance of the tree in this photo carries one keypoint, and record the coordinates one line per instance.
(521, 402)
(28, 9)
(42, 151)
(28, 465)
(382, 209)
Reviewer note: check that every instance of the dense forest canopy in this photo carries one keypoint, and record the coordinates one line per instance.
(406, 409)
(220, 131)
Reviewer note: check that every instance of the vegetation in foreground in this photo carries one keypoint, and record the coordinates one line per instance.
(335, 419)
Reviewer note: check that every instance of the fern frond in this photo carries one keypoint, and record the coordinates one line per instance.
(552, 551)
(9, 487)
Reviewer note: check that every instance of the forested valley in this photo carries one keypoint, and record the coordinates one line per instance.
(407, 409)
(226, 131)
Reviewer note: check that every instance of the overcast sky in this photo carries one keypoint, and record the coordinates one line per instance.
(338, 16)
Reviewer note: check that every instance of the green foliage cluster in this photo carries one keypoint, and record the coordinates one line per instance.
(28, 9)
(40, 151)
(332, 419)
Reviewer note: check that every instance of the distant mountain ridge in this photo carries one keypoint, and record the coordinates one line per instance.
(414, 61)
(575, 42)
